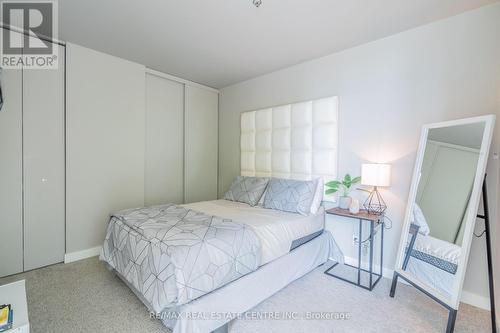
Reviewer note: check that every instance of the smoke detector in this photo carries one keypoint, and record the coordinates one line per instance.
(257, 3)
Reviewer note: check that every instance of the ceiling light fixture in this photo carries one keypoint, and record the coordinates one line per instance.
(257, 3)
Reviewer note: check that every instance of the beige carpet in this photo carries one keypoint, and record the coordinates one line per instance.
(85, 297)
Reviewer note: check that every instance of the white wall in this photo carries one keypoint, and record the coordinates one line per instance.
(388, 89)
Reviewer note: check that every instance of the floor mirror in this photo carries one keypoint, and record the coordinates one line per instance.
(442, 209)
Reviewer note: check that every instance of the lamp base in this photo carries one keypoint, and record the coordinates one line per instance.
(374, 204)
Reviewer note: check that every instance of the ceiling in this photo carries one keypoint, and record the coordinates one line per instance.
(221, 42)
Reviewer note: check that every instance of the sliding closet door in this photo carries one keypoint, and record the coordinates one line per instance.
(11, 232)
(164, 168)
(105, 124)
(201, 136)
(43, 151)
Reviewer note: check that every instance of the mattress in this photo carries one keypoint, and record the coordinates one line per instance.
(279, 232)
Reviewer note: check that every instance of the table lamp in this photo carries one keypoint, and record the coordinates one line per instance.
(373, 174)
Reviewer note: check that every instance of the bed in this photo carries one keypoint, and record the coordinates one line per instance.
(198, 266)
(289, 246)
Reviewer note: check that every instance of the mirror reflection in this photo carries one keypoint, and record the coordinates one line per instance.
(438, 215)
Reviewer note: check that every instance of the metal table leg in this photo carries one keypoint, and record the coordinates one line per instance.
(382, 248)
(374, 277)
(372, 238)
(359, 250)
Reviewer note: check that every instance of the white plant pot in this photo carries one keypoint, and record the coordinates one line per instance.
(344, 202)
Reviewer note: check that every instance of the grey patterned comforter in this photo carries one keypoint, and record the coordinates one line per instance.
(172, 255)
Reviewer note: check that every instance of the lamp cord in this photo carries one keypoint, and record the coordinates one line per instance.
(386, 225)
(481, 234)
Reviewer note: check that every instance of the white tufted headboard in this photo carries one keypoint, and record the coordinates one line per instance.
(298, 141)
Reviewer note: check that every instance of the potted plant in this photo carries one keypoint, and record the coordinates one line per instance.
(345, 186)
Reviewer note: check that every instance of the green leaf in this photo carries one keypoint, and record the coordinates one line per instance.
(356, 180)
(330, 191)
(347, 181)
(333, 183)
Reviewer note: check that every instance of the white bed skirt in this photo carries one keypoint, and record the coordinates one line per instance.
(214, 310)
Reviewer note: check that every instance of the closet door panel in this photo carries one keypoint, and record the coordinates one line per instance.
(11, 226)
(201, 139)
(105, 142)
(44, 170)
(164, 168)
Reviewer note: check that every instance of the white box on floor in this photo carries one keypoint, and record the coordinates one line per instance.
(15, 294)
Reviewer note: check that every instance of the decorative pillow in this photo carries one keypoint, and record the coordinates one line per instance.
(247, 189)
(261, 200)
(318, 195)
(316, 203)
(290, 195)
(417, 217)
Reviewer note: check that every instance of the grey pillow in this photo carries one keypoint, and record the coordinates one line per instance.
(290, 195)
(247, 189)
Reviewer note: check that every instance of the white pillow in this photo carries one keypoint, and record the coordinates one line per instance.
(417, 217)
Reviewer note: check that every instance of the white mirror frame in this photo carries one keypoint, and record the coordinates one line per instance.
(454, 300)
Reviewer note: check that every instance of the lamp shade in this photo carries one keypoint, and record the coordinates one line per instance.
(373, 174)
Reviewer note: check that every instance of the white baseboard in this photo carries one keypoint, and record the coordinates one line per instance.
(387, 273)
(475, 300)
(467, 297)
(83, 254)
